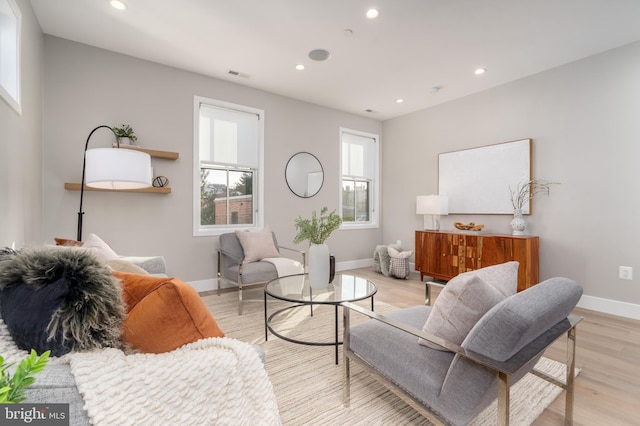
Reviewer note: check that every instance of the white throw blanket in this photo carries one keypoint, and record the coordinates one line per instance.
(285, 266)
(217, 381)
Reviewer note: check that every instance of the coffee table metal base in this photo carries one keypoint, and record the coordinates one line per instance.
(344, 288)
(269, 328)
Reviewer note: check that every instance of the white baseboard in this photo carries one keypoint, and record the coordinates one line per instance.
(204, 285)
(608, 306)
(212, 283)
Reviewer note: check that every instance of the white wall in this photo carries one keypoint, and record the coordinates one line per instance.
(583, 119)
(86, 87)
(20, 145)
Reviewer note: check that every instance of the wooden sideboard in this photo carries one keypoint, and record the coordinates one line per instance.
(443, 255)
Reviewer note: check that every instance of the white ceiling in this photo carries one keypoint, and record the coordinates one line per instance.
(411, 47)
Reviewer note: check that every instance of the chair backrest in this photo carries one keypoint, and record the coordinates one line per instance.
(501, 333)
(229, 243)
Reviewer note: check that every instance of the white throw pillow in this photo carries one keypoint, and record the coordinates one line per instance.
(99, 248)
(257, 245)
(466, 298)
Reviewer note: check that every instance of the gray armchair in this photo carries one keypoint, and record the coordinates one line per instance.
(234, 270)
(453, 386)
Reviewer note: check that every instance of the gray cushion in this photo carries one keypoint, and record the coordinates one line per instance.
(517, 321)
(55, 384)
(466, 298)
(396, 354)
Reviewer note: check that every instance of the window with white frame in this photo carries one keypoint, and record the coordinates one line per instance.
(359, 178)
(10, 32)
(228, 151)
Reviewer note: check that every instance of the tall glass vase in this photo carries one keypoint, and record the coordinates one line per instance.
(319, 265)
(518, 224)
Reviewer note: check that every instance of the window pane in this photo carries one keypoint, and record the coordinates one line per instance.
(241, 197)
(213, 186)
(362, 201)
(348, 201)
(226, 197)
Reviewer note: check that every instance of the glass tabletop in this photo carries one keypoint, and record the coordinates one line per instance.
(344, 288)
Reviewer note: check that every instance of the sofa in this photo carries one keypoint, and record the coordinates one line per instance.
(119, 374)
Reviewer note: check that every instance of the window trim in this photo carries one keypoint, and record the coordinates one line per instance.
(15, 51)
(198, 230)
(375, 183)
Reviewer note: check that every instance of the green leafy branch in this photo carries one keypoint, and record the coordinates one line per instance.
(12, 389)
(317, 229)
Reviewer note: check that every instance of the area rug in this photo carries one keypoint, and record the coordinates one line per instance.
(308, 383)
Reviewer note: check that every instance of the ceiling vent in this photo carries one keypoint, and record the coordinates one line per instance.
(238, 74)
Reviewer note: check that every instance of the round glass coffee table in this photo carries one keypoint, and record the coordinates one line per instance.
(296, 289)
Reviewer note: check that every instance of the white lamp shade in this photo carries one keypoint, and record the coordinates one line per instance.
(112, 168)
(432, 204)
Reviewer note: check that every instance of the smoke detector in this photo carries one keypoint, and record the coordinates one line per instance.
(319, 54)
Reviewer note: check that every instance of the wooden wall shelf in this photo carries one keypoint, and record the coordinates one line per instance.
(154, 153)
(151, 190)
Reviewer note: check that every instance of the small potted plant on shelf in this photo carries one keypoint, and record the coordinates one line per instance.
(125, 134)
(317, 230)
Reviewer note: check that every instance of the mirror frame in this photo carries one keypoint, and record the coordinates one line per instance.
(289, 169)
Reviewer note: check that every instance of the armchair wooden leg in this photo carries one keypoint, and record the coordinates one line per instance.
(503, 399)
(240, 299)
(571, 368)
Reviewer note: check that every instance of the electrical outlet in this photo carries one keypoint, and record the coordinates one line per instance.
(399, 243)
(626, 272)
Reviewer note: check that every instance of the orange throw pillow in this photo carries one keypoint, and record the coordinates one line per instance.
(163, 313)
(67, 242)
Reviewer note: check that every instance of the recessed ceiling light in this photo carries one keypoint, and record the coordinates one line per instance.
(117, 4)
(399, 101)
(373, 13)
(480, 71)
(299, 67)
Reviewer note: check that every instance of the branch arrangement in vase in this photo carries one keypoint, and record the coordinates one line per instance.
(317, 229)
(525, 192)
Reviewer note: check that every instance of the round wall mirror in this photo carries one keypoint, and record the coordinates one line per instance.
(304, 174)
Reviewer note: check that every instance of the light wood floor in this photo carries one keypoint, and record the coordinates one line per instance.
(607, 390)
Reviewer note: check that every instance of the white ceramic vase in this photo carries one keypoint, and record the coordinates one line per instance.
(319, 265)
(517, 223)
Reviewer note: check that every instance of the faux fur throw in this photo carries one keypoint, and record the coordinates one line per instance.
(214, 381)
(89, 311)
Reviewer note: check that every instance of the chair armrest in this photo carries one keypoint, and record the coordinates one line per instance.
(226, 253)
(300, 252)
(510, 366)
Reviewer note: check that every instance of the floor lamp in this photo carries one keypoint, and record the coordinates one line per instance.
(433, 205)
(109, 168)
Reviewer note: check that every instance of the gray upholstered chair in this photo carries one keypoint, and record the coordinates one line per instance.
(234, 269)
(453, 386)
